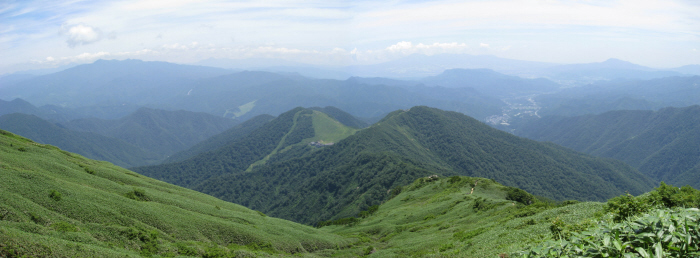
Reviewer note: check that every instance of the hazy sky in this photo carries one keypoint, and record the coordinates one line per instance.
(655, 33)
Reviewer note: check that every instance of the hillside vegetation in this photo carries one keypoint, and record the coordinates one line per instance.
(291, 132)
(664, 144)
(224, 138)
(477, 217)
(457, 217)
(57, 204)
(307, 184)
(158, 131)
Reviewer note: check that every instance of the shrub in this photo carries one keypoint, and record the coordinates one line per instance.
(369, 250)
(137, 194)
(184, 249)
(64, 227)
(671, 196)
(625, 206)
(519, 195)
(55, 195)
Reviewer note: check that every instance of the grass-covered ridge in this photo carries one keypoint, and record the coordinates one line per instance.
(55, 203)
(444, 217)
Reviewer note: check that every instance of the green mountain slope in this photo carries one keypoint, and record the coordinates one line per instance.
(287, 135)
(664, 144)
(88, 144)
(57, 204)
(444, 217)
(222, 139)
(158, 131)
(477, 217)
(357, 172)
(342, 117)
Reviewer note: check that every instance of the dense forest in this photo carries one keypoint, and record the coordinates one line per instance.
(662, 144)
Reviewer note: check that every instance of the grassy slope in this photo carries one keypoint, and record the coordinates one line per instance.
(327, 129)
(93, 216)
(438, 219)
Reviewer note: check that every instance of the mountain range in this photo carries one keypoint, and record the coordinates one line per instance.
(383, 167)
(275, 169)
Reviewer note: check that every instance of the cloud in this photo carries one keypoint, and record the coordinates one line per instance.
(82, 34)
(484, 45)
(407, 48)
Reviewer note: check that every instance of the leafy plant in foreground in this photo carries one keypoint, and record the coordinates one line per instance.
(660, 233)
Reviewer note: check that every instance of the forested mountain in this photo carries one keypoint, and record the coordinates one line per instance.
(490, 83)
(288, 134)
(17, 106)
(357, 172)
(622, 95)
(88, 144)
(57, 204)
(224, 138)
(664, 144)
(158, 131)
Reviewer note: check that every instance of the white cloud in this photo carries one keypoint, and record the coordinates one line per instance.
(81, 34)
(484, 45)
(407, 48)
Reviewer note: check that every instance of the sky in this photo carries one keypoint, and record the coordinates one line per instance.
(38, 34)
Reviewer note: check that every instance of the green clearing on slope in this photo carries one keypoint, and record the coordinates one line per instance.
(55, 203)
(442, 217)
(327, 129)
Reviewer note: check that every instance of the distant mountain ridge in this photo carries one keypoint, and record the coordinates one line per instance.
(110, 81)
(491, 83)
(662, 144)
(601, 97)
